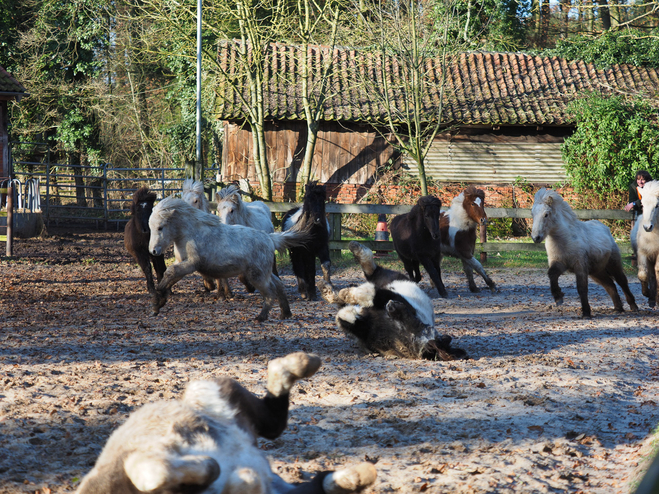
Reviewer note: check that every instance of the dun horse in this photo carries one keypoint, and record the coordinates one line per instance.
(389, 314)
(417, 239)
(458, 230)
(303, 258)
(645, 238)
(203, 243)
(206, 442)
(136, 237)
(585, 248)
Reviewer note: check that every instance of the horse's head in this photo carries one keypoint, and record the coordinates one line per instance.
(543, 214)
(430, 208)
(142, 206)
(193, 194)
(160, 225)
(314, 202)
(229, 204)
(474, 204)
(650, 200)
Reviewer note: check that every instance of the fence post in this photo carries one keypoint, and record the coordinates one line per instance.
(10, 221)
(105, 194)
(335, 231)
(483, 232)
(48, 186)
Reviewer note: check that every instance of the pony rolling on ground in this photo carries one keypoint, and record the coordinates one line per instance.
(458, 231)
(585, 248)
(136, 237)
(645, 240)
(417, 239)
(203, 243)
(303, 258)
(206, 442)
(390, 314)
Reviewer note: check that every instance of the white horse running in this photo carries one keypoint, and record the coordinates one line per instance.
(585, 248)
(645, 242)
(203, 243)
(232, 210)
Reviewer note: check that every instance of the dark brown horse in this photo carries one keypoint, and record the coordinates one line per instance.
(458, 226)
(137, 234)
(417, 240)
(303, 258)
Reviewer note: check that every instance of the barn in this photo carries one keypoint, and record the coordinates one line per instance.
(10, 89)
(505, 116)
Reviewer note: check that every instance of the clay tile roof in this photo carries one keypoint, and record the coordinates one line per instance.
(482, 88)
(10, 86)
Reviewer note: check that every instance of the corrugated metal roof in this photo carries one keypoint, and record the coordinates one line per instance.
(486, 162)
(481, 88)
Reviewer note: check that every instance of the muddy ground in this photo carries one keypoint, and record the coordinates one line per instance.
(549, 402)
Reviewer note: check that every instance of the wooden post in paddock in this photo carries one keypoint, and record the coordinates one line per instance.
(483, 232)
(10, 221)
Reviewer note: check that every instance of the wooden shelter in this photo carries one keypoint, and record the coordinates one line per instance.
(10, 89)
(505, 114)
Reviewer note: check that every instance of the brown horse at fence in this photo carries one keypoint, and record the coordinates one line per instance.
(458, 229)
(137, 234)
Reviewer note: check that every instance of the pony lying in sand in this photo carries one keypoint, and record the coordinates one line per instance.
(645, 241)
(585, 248)
(389, 314)
(205, 443)
(204, 244)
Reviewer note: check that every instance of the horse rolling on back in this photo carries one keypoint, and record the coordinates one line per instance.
(417, 239)
(136, 237)
(303, 258)
(458, 231)
(204, 244)
(645, 237)
(389, 314)
(206, 442)
(585, 248)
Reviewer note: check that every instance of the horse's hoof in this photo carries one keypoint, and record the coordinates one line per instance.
(559, 301)
(286, 315)
(652, 304)
(633, 308)
(474, 289)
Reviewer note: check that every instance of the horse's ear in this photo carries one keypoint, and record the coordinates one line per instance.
(549, 200)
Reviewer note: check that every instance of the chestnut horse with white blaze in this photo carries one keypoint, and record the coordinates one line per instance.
(458, 231)
(586, 248)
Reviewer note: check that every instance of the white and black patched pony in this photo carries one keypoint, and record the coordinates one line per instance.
(303, 258)
(389, 314)
(206, 442)
(137, 234)
(417, 240)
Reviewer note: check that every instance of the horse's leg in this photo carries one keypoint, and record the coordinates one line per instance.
(433, 267)
(364, 257)
(144, 262)
(621, 279)
(344, 481)
(159, 266)
(325, 263)
(478, 267)
(329, 293)
(269, 292)
(274, 267)
(248, 286)
(409, 267)
(644, 270)
(582, 290)
(223, 289)
(297, 263)
(555, 270)
(417, 271)
(209, 283)
(173, 274)
(310, 275)
(469, 272)
(280, 290)
(605, 280)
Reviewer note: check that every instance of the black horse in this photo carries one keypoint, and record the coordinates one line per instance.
(417, 239)
(303, 258)
(136, 237)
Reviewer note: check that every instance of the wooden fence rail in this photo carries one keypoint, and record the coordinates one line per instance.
(336, 211)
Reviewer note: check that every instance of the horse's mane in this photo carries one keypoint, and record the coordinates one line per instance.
(314, 193)
(650, 189)
(425, 201)
(143, 194)
(173, 203)
(554, 200)
(230, 193)
(473, 191)
(190, 185)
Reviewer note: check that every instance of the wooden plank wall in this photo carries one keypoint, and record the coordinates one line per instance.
(344, 154)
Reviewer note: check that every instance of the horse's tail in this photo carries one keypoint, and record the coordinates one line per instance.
(298, 235)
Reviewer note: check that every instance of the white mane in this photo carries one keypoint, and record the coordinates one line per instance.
(553, 200)
(175, 205)
(193, 194)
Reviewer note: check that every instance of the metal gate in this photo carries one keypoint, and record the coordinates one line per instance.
(75, 193)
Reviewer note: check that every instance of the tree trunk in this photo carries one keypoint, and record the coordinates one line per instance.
(605, 15)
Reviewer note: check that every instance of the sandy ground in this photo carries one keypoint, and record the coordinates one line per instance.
(548, 402)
